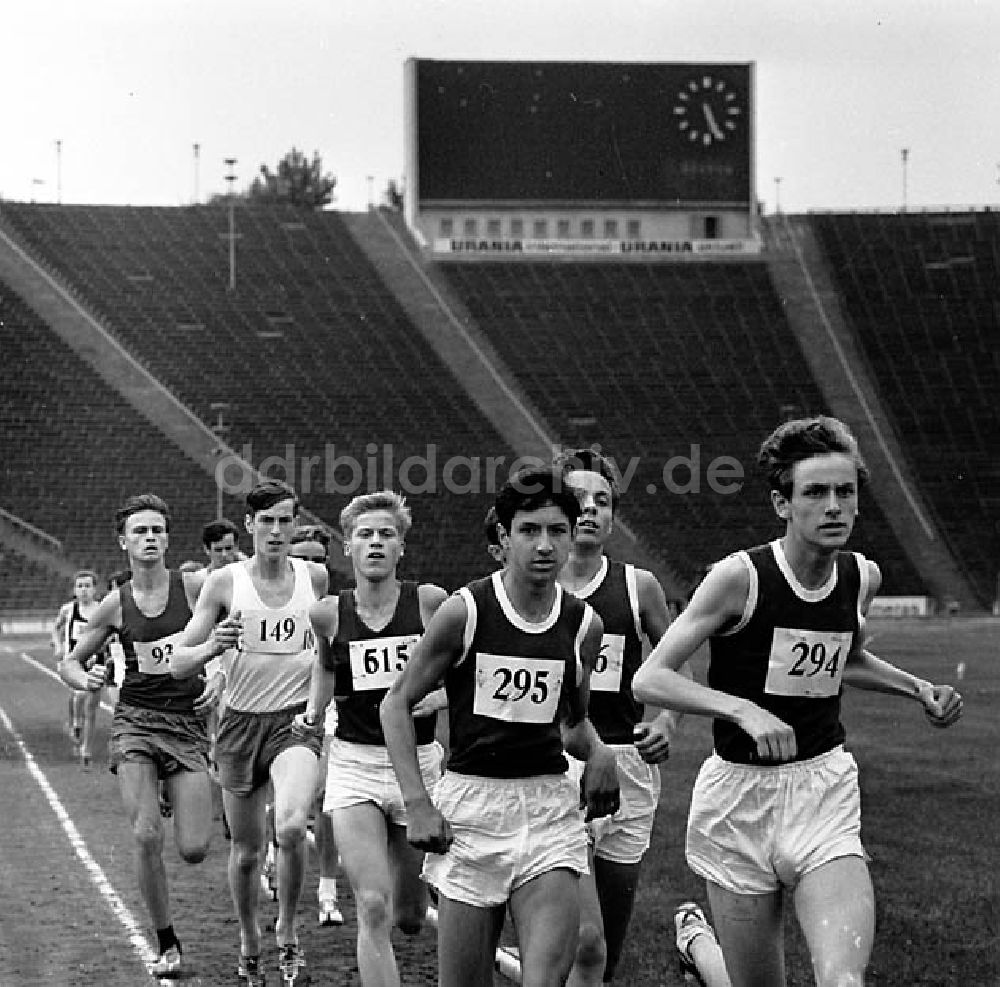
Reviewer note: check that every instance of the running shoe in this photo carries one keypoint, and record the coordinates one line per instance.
(291, 961)
(689, 923)
(329, 912)
(169, 963)
(249, 972)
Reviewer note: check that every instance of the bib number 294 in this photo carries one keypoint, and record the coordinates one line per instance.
(806, 663)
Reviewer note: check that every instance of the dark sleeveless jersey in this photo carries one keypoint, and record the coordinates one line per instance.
(367, 662)
(76, 625)
(148, 643)
(787, 654)
(613, 709)
(506, 693)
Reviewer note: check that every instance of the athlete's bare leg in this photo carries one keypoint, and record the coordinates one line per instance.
(293, 774)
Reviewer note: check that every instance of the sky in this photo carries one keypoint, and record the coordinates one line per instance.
(128, 87)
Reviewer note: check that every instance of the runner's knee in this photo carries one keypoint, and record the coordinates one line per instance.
(290, 831)
(148, 834)
(374, 908)
(249, 857)
(591, 948)
(193, 851)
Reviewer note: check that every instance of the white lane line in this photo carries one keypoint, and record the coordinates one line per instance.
(55, 675)
(97, 875)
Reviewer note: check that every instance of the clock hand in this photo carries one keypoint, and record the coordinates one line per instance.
(710, 120)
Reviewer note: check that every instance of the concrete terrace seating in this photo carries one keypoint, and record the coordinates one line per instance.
(311, 353)
(921, 291)
(28, 586)
(655, 361)
(72, 451)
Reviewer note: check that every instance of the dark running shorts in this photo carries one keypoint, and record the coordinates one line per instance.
(171, 741)
(248, 743)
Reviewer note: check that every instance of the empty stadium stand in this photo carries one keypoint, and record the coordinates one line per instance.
(72, 451)
(671, 368)
(658, 361)
(920, 289)
(311, 354)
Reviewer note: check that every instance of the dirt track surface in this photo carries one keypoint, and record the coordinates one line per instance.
(60, 921)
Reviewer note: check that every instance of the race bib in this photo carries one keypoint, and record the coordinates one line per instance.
(377, 662)
(75, 631)
(809, 664)
(154, 656)
(518, 690)
(607, 673)
(277, 633)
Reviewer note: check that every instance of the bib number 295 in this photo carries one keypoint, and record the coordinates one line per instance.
(517, 685)
(516, 689)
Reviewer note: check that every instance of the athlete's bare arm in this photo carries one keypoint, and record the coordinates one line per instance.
(717, 603)
(103, 622)
(193, 583)
(579, 699)
(320, 577)
(431, 597)
(439, 647)
(59, 630)
(863, 670)
(654, 734)
(324, 615)
(210, 631)
(599, 791)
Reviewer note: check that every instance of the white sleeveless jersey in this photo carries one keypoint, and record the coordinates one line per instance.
(272, 667)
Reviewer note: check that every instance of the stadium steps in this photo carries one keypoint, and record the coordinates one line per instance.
(326, 379)
(71, 449)
(81, 325)
(33, 565)
(52, 299)
(816, 316)
(672, 368)
(920, 292)
(30, 588)
(435, 309)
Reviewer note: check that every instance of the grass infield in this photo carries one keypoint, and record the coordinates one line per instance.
(930, 810)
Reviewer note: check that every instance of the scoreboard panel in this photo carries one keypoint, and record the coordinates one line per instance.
(583, 132)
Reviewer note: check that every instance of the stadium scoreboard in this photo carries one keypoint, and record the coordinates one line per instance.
(570, 133)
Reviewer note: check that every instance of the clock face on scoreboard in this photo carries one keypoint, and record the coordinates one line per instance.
(652, 133)
(708, 110)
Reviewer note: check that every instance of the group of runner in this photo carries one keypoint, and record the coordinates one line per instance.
(501, 745)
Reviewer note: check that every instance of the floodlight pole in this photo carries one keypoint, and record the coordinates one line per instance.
(219, 429)
(777, 195)
(197, 166)
(904, 155)
(59, 172)
(231, 179)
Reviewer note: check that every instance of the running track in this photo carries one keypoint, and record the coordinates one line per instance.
(71, 912)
